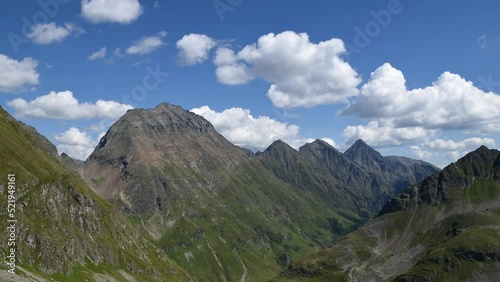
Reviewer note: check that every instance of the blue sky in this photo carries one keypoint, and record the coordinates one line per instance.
(413, 78)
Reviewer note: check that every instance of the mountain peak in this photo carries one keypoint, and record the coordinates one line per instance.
(321, 144)
(361, 150)
(360, 142)
(278, 144)
(363, 154)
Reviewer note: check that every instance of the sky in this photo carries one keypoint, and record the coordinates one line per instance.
(410, 77)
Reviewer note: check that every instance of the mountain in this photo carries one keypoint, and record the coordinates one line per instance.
(316, 181)
(399, 172)
(71, 163)
(213, 207)
(445, 228)
(64, 231)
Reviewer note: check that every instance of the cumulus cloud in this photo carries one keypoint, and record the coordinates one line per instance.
(118, 11)
(256, 133)
(301, 73)
(17, 75)
(400, 116)
(62, 105)
(46, 33)
(449, 103)
(75, 143)
(452, 149)
(194, 48)
(99, 54)
(147, 45)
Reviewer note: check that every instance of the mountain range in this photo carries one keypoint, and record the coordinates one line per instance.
(446, 228)
(165, 197)
(240, 215)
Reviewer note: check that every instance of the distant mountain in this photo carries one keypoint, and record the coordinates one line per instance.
(360, 181)
(399, 172)
(71, 163)
(445, 228)
(316, 181)
(64, 231)
(213, 207)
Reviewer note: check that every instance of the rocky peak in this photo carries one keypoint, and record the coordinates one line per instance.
(362, 152)
(167, 118)
(319, 147)
(152, 139)
(278, 145)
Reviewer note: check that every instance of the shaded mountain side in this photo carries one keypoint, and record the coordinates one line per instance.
(64, 231)
(360, 179)
(445, 228)
(370, 186)
(436, 189)
(399, 172)
(215, 209)
(314, 179)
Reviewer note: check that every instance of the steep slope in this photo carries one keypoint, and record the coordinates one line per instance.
(399, 172)
(212, 206)
(64, 231)
(371, 187)
(293, 168)
(445, 228)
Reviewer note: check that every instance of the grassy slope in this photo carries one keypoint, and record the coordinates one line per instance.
(72, 233)
(450, 242)
(260, 225)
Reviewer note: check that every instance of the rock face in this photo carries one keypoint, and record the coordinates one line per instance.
(445, 228)
(64, 230)
(398, 172)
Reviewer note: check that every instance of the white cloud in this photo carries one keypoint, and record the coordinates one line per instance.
(75, 143)
(194, 48)
(62, 105)
(117, 53)
(147, 45)
(384, 133)
(329, 141)
(17, 75)
(450, 103)
(256, 133)
(46, 33)
(99, 54)
(420, 153)
(452, 149)
(118, 11)
(301, 73)
(481, 41)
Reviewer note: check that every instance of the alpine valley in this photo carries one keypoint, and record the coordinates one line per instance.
(165, 197)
